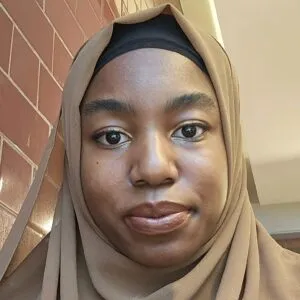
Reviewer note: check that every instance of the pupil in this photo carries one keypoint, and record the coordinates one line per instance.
(189, 131)
(113, 137)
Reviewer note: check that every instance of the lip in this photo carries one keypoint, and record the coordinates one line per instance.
(157, 218)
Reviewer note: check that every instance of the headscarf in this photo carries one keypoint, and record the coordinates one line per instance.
(240, 261)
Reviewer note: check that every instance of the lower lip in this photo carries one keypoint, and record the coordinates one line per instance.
(156, 226)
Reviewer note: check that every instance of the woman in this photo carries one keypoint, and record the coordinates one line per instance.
(154, 202)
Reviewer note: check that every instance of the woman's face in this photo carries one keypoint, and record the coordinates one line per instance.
(153, 161)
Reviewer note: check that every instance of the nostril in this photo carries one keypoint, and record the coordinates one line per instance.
(140, 182)
(168, 181)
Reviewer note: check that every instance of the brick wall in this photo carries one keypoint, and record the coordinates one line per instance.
(130, 6)
(39, 39)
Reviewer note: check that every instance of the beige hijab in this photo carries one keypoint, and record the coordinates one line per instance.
(240, 261)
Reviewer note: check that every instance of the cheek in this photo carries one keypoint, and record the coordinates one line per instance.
(102, 182)
(208, 174)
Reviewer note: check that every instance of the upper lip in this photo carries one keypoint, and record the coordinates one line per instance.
(157, 209)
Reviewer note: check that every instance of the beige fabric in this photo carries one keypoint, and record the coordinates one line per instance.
(240, 261)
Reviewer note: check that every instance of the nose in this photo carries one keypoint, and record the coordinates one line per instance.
(154, 163)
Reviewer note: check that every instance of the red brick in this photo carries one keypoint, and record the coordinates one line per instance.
(71, 4)
(24, 67)
(107, 12)
(43, 211)
(15, 174)
(56, 162)
(6, 34)
(6, 222)
(87, 18)
(61, 61)
(113, 7)
(65, 24)
(41, 3)
(49, 96)
(31, 20)
(96, 5)
(20, 122)
(29, 239)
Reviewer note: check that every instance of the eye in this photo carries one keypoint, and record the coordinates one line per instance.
(111, 138)
(192, 132)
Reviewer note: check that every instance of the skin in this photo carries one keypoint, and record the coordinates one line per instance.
(154, 159)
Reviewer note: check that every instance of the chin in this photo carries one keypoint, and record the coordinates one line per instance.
(162, 256)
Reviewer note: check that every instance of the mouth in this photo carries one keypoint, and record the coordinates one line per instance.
(158, 218)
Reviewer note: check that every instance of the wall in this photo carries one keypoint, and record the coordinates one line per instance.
(39, 39)
(130, 6)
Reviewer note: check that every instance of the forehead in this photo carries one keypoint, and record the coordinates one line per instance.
(144, 76)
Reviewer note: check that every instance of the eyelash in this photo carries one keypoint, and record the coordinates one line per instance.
(203, 126)
(102, 133)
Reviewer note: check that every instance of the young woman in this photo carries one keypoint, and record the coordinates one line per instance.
(154, 203)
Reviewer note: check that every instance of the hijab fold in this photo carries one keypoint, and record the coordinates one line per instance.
(76, 261)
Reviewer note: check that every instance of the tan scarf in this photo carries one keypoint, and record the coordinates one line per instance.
(240, 261)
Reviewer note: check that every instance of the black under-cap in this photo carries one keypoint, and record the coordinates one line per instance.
(161, 32)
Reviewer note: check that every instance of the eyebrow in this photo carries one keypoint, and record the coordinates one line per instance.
(110, 105)
(200, 100)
